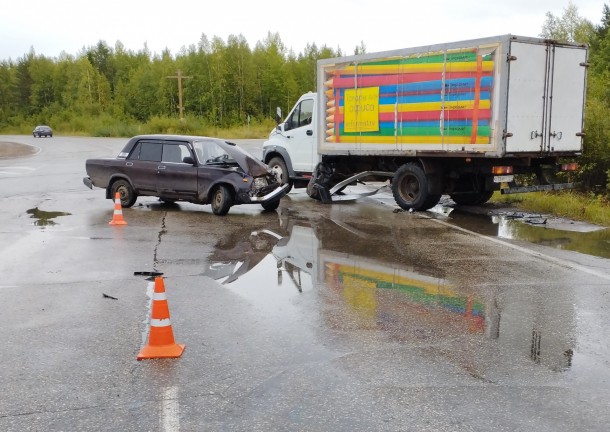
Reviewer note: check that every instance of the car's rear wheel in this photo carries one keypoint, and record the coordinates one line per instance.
(125, 191)
(271, 205)
(221, 200)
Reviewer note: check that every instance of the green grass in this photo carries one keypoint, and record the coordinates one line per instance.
(584, 207)
(104, 125)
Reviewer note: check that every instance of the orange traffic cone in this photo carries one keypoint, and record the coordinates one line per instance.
(117, 216)
(161, 342)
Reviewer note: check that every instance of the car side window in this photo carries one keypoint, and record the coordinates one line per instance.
(147, 151)
(175, 153)
(301, 116)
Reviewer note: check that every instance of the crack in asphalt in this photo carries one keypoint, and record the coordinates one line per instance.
(162, 231)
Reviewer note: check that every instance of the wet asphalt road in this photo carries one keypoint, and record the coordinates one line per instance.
(348, 317)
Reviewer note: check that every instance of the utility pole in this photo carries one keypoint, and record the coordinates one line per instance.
(180, 77)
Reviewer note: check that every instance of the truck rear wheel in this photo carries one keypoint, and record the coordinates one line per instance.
(280, 171)
(410, 188)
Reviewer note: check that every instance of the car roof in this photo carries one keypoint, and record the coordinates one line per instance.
(171, 137)
(248, 162)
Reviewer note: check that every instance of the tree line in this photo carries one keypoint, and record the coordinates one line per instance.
(228, 83)
(112, 91)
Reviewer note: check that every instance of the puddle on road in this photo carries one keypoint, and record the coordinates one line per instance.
(537, 229)
(44, 218)
(352, 280)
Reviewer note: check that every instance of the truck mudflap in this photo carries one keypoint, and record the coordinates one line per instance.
(318, 186)
(538, 188)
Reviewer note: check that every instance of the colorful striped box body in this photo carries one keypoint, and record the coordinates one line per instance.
(430, 98)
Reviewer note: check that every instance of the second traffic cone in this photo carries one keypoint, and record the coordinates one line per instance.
(161, 342)
(117, 216)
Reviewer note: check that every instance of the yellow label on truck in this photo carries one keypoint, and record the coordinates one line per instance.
(361, 109)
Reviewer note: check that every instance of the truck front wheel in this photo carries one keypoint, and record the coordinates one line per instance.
(280, 171)
(410, 188)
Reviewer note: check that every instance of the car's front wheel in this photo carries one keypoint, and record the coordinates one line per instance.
(221, 200)
(125, 191)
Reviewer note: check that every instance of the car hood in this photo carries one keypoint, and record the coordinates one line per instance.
(246, 161)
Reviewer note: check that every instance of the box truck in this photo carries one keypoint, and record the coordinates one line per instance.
(462, 118)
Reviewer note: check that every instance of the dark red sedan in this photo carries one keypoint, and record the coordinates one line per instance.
(195, 169)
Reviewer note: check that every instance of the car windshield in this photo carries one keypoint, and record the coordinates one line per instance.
(209, 152)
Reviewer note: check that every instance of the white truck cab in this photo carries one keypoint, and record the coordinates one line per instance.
(290, 150)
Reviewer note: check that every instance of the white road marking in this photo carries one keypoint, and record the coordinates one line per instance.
(15, 170)
(170, 410)
(558, 261)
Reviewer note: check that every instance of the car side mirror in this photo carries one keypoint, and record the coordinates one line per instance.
(188, 160)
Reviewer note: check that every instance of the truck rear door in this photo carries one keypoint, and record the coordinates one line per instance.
(545, 98)
(567, 99)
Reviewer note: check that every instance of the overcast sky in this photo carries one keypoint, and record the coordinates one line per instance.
(53, 27)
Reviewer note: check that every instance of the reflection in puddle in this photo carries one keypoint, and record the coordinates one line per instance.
(44, 218)
(362, 283)
(532, 229)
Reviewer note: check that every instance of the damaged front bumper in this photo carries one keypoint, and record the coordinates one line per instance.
(275, 194)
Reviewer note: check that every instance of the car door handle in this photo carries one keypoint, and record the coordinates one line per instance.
(128, 163)
(309, 132)
(161, 167)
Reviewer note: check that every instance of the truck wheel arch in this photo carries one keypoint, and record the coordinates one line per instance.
(283, 154)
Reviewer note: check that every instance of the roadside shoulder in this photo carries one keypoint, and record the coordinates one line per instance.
(10, 150)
